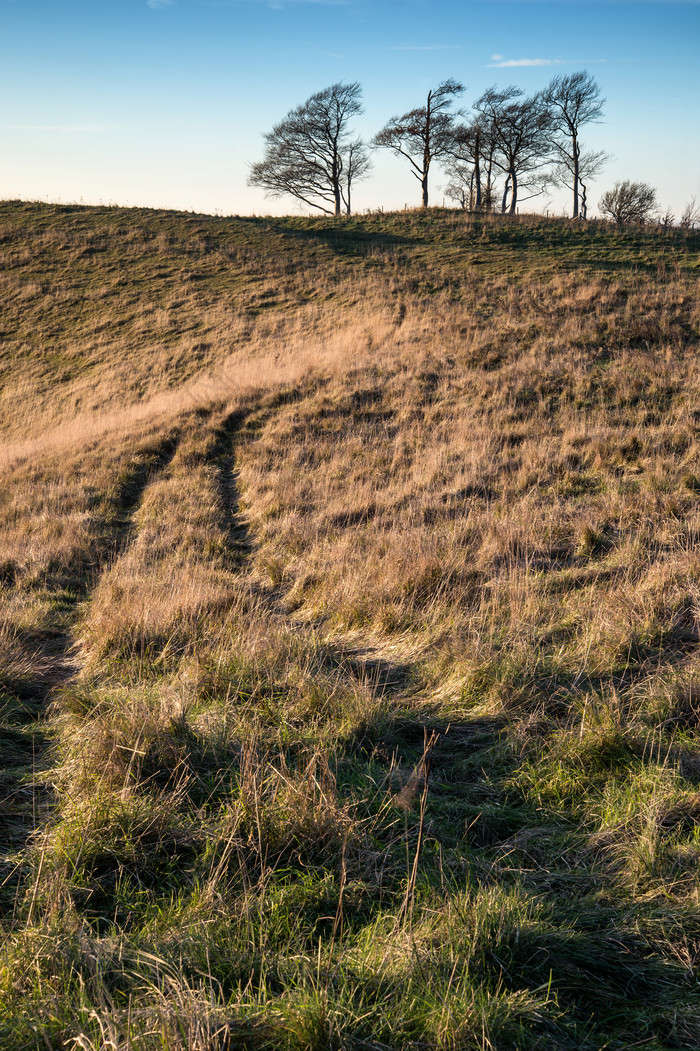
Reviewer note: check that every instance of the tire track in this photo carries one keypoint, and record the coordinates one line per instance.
(222, 454)
(46, 659)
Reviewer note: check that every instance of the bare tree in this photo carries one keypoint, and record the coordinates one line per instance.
(520, 130)
(310, 154)
(357, 165)
(472, 159)
(690, 216)
(424, 134)
(573, 101)
(629, 202)
(589, 164)
(461, 187)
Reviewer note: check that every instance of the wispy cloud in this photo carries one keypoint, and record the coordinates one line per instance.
(157, 5)
(426, 47)
(499, 62)
(506, 63)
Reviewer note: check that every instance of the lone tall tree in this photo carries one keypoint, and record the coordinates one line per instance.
(574, 100)
(311, 154)
(424, 134)
(589, 164)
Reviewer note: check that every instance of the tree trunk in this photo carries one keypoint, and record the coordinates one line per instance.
(584, 204)
(427, 148)
(489, 184)
(477, 170)
(513, 194)
(576, 152)
(504, 199)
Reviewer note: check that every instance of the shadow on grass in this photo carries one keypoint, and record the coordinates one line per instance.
(44, 660)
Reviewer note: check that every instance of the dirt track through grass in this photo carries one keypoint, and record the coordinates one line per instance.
(26, 755)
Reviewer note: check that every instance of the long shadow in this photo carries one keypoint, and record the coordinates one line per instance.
(482, 835)
(361, 241)
(151, 462)
(222, 453)
(43, 660)
(348, 240)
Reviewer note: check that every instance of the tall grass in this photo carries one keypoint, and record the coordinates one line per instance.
(350, 633)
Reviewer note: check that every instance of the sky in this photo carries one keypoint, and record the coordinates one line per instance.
(163, 103)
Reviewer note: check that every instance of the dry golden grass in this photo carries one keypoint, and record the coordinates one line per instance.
(354, 584)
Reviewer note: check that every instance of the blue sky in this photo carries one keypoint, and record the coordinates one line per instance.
(163, 102)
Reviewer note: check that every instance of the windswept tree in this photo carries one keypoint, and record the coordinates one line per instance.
(461, 186)
(312, 155)
(690, 216)
(472, 161)
(589, 164)
(519, 128)
(425, 134)
(629, 202)
(573, 101)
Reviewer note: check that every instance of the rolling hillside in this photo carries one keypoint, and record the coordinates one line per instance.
(350, 663)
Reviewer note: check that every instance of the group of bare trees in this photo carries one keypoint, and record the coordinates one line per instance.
(509, 148)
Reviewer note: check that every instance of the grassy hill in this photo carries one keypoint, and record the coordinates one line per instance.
(350, 663)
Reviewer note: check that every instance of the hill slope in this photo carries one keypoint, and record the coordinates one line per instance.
(348, 683)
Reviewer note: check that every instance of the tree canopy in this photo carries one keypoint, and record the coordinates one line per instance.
(629, 202)
(424, 134)
(311, 154)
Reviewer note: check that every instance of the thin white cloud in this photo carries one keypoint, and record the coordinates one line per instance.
(157, 5)
(498, 62)
(426, 47)
(506, 63)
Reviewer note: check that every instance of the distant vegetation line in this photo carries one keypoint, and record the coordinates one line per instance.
(508, 150)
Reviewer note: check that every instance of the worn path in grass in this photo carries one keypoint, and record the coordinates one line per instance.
(27, 796)
(53, 657)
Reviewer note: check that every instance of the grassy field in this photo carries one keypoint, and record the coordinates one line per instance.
(350, 663)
